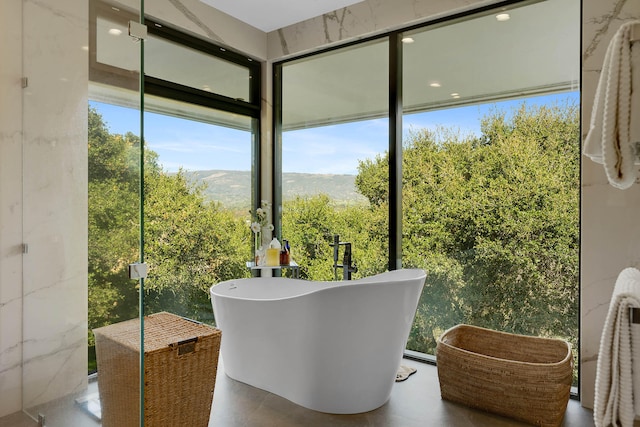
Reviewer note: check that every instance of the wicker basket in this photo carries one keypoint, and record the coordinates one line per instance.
(521, 377)
(180, 365)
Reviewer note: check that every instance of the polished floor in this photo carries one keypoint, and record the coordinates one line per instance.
(414, 402)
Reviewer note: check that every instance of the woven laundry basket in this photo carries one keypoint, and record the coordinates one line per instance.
(521, 377)
(180, 366)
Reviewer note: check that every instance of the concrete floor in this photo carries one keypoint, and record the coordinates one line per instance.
(414, 402)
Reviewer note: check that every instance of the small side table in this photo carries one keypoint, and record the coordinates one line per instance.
(295, 269)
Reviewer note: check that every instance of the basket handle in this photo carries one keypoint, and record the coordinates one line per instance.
(186, 346)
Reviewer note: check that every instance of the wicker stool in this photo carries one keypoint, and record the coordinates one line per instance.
(521, 377)
(180, 365)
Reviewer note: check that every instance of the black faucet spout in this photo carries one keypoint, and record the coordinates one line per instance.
(347, 267)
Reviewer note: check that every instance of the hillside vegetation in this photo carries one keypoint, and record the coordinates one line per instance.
(233, 188)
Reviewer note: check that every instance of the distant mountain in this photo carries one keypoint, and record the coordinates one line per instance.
(233, 188)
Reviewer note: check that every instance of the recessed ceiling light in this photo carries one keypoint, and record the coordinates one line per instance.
(503, 17)
(455, 94)
(407, 40)
(115, 32)
(435, 84)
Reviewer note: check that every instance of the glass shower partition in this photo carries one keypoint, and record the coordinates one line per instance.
(81, 224)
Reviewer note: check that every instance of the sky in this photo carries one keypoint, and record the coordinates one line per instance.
(328, 149)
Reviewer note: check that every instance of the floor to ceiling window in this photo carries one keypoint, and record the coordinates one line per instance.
(489, 164)
(491, 171)
(333, 122)
(201, 113)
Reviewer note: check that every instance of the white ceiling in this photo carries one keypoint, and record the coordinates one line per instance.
(269, 15)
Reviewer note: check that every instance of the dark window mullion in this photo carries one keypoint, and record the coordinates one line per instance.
(277, 149)
(395, 151)
(180, 92)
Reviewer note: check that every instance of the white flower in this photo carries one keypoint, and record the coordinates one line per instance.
(261, 218)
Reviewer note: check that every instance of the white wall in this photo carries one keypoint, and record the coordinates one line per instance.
(196, 17)
(358, 21)
(610, 217)
(10, 206)
(54, 199)
(43, 193)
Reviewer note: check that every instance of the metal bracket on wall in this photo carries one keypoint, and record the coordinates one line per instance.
(138, 270)
(137, 30)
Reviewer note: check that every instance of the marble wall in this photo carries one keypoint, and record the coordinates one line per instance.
(610, 217)
(54, 199)
(198, 18)
(10, 206)
(360, 20)
(43, 142)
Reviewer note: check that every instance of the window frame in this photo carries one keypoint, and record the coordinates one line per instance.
(395, 136)
(125, 79)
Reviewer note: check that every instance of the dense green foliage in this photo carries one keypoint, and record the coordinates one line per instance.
(495, 222)
(189, 243)
(492, 219)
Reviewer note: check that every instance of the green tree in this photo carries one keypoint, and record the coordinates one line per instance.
(310, 224)
(494, 222)
(190, 244)
(112, 223)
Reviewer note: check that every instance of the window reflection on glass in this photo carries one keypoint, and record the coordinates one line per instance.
(190, 67)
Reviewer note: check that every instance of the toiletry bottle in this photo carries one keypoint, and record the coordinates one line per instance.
(273, 253)
(284, 254)
(288, 249)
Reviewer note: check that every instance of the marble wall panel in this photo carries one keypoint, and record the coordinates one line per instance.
(360, 20)
(610, 228)
(10, 206)
(198, 18)
(54, 199)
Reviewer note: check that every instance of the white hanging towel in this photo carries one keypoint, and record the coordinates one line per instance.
(618, 367)
(614, 131)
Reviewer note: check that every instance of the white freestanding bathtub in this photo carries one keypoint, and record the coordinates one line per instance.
(329, 346)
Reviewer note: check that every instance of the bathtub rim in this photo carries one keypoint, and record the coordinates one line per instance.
(403, 275)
